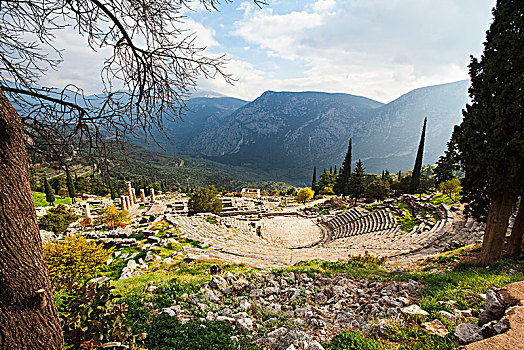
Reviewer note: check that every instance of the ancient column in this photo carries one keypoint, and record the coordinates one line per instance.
(122, 203)
(87, 210)
(142, 195)
(152, 194)
(134, 195)
(130, 193)
(128, 203)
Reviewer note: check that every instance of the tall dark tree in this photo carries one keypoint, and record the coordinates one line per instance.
(151, 66)
(415, 177)
(49, 195)
(344, 175)
(490, 139)
(357, 183)
(399, 176)
(70, 186)
(314, 181)
(112, 190)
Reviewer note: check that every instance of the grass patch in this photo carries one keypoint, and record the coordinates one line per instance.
(407, 221)
(352, 341)
(39, 200)
(440, 198)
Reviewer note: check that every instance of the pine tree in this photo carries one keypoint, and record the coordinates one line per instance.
(342, 185)
(357, 184)
(489, 139)
(415, 177)
(49, 195)
(70, 186)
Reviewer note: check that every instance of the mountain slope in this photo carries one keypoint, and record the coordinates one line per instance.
(286, 133)
(204, 113)
(391, 136)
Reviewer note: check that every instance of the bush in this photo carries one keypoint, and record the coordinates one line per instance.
(73, 261)
(112, 217)
(205, 200)
(57, 219)
(92, 316)
(352, 341)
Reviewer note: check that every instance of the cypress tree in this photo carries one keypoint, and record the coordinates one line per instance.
(342, 184)
(70, 186)
(314, 181)
(49, 195)
(489, 139)
(399, 175)
(383, 176)
(331, 169)
(112, 190)
(335, 172)
(415, 177)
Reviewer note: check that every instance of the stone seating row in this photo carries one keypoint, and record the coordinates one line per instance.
(379, 220)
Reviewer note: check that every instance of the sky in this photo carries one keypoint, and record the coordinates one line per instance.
(380, 49)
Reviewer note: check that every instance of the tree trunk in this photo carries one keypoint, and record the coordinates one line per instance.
(515, 240)
(28, 315)
(496, 227)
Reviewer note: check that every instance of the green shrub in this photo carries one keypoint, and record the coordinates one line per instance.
(92, 316)
(172, 290)
(73, 261)
(352, 341)
(167, 332)
(57, 219)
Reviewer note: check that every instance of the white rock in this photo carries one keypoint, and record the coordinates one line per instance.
(414, 310)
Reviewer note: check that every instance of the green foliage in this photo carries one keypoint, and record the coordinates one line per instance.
(314, 181)
(407, 221)
(357, 182)
(352, 341)
(304, 195)
(343, 180)
(447, 165)
(70, 186)
(378, 189)
(415, 177)
(57, 219)
(156, 186)
(112, 217)
(49, 195)
(92, 316)
(291, 191)
(73, 261)
(40, 200)
(205, 200)
(490, 138)
(450, 188)
(59, 185)
(167, 332)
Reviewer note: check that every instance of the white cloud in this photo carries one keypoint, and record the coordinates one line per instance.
(376, 48)
(323, 5)
(204, 37)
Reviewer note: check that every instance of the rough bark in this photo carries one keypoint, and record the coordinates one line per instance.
(496, 227)
(517, 233)
(28, 315)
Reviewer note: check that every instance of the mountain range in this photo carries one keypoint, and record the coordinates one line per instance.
(285, 134)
